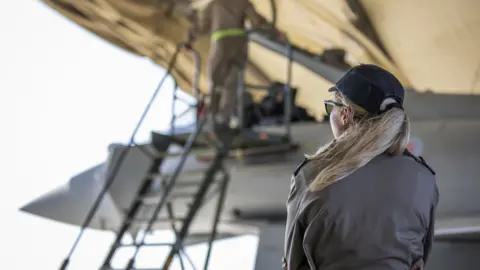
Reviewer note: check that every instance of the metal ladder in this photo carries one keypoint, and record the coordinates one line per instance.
(143, 196)
(144, 191)
(169, 185)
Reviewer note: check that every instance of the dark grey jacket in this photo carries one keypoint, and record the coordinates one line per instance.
(379, 217)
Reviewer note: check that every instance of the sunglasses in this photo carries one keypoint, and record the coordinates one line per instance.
(329, 104)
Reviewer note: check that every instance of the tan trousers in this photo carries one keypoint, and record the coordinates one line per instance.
(227, 58)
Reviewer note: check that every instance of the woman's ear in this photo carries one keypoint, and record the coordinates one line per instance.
(345, 116)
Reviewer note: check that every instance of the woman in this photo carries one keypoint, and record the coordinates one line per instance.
(362, 201)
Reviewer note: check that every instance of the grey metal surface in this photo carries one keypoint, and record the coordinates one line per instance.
(300, 56)
(433, 106)
(420, 105)
(454, 255)
(270, 246)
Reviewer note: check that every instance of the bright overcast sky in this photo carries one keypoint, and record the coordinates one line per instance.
(65, 96)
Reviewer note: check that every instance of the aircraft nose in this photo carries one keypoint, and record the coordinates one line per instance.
(44, 205)
(70, 205)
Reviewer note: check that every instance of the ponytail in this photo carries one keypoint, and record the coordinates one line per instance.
(366, 137)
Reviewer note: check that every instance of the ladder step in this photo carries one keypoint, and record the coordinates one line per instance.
(162, 219)
(151, 193)
(137, 269)
(148, 245)
(197, 151)
(152, 199)
(197, 172)
(181, 189)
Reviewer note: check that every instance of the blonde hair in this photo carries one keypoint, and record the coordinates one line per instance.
(366, 137)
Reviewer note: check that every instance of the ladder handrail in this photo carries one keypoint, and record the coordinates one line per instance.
(195, 90)
(111, 177)
(216, 165)
(166, 192)
(137, 201)
(287, 112)
(199, 125)
(287, 105)
(167, 189)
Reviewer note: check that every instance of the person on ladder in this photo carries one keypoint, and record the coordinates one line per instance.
(225, 21)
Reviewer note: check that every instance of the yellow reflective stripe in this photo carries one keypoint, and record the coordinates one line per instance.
(231, 32)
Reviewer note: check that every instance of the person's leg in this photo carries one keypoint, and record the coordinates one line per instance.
(228, 102)
(218, 71)
(214, 99)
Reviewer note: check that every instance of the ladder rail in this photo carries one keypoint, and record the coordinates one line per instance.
(208, 179)
(196, 91)
(184, 154)
(177, 247)
(287, 105)
(206, 183)
(174, 117)
(174, 228)
(196, 78)
(171, 217)
(167, 190)
(93, 210)
(134, 207)
(287, 89)
(219, 208)
(147, 183)
(145, 186)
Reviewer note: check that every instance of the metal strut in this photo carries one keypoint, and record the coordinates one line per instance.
(287, 88)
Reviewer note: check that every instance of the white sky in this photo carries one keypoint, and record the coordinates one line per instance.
(64, 96)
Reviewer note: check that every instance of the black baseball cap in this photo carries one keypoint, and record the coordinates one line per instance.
(368, 86)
